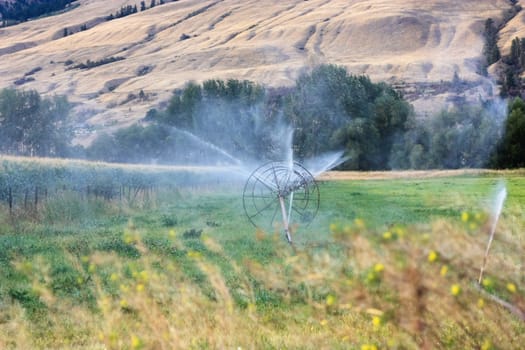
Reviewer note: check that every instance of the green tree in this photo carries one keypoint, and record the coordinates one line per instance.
(30, 125)
(104, 147)
(511, 151)
(182, 105)
(331, 109)
(515, 51)
(463, 137)
(490, 48)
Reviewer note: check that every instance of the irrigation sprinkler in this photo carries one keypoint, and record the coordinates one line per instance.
(276, 190)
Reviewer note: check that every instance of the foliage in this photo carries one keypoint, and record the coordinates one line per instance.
(511, 69)
(327, 109)
(22, 10)
(511, 66)
(135, 144)
(92, 64)
(129, 10)
(510, 152)
(463, 137)
(124, 11)
(32, 125)
(490, 48)
(330, 109)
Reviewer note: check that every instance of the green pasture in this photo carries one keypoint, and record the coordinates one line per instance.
(89, 225)
(173, 225)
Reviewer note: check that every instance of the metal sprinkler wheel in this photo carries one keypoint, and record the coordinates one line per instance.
(277, 191)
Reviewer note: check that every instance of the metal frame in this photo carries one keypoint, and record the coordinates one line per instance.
(288, 188)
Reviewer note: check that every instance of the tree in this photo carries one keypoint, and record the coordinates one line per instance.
(463, 137)
(490, 48)
(331, 109)
(515, 51)
(511, 150)
(104, 147)
(182, 105)
(30, 125)
(23, 10)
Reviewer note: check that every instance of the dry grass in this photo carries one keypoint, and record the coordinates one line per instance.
(70, 162)
(412, 174)
(404, 288)
(269, 42)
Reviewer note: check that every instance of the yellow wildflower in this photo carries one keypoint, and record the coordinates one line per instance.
(455, 289)
(368, 347)
(481, 303)
(379, 267)
(487, 345)
(387, 235)
(330, 300)
(360, 223)
(511, 287)
(432, 256)
(443, 271)
(487, 282)
(136, 343)
(465, 216)
(376, 321)
(143, 275)
(399, 231)
(194, 255)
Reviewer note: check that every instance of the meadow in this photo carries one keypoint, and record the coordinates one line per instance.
(387, 264)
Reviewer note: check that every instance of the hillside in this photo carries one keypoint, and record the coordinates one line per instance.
(412, 44)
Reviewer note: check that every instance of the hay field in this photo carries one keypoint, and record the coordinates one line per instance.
(269, 42)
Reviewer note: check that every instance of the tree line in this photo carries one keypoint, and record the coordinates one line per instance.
(327, 109)
(22, 10)
(129, 10)
(34, 126)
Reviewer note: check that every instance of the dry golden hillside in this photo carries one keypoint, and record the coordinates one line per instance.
(269, 41)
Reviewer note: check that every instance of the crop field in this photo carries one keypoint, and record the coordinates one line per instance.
(388, 263)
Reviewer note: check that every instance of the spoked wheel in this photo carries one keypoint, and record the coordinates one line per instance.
(277, 193)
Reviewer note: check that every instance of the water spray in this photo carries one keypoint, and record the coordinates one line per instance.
(495, 214)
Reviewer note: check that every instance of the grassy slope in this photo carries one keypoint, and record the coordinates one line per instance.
(130, 274)
(268, 42)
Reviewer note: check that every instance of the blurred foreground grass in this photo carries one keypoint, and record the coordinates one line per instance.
(388, 264)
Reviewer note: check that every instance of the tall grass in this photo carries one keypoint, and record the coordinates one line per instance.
(187, 271)
(397, 289)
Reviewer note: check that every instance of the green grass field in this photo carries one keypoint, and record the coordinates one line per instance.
(386, 264)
